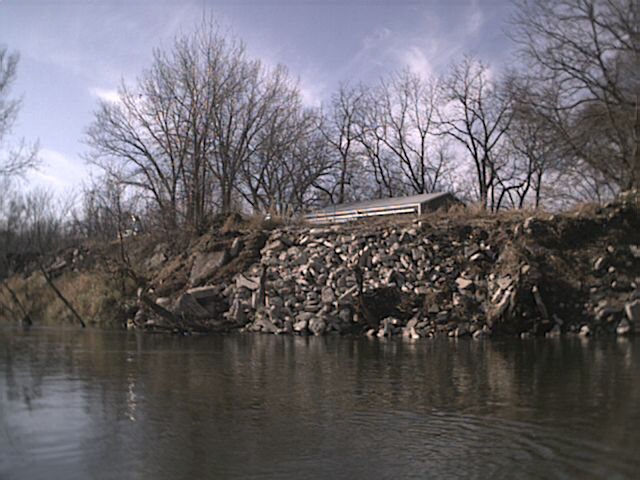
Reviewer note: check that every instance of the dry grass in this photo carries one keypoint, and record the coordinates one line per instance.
(96, 297)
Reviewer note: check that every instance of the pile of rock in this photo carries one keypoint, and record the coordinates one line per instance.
(614, 296)
(458, 277)
(307, 282)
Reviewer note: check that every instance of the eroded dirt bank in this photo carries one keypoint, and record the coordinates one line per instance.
(453, 273)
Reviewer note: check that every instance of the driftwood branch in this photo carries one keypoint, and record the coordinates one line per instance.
(26, 318)
(61, 296)
(159, 310)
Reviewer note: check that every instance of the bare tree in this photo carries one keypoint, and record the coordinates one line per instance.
(409, 115)
(477, 114)
(396, 135)
(289, 158)
(18, 159)
(532, 151)
(134, 142)
(588, 52)
(185, 131)
(340, 129)
(371, 134)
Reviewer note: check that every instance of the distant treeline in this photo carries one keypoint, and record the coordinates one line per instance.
(206, 129)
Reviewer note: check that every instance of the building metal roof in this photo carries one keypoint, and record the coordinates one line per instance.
(385, 202)
(384, 206)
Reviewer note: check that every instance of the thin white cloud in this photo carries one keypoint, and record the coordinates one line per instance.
(475, 19)
(377, 37)
(59, 171)
(105, 94)
(417, 61)
(312, 89)
(428, 51)
(47, 180)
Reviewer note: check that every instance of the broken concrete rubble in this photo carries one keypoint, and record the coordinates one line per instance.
(467, 278)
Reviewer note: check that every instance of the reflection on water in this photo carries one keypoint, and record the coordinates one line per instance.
(95, 404)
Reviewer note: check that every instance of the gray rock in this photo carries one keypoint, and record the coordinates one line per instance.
(287, 328)
(624, 327)
(300, 326)
(479, 333)
(156, 261)
(264, 323)
(598, 264)
(542, 309)
(410, 332)
(502, 306)
(461, 331)
(412, 323)
(274, 246)
(205, 293)
(274, 301)
(504, 282)
(312, 307)
(206, 264)
(164, 302)
(236, 246)
(304, 316)
(237, 313)
(555, 332)
(391, 277)
(328, 295)
(476, 257)
(345, 315)
(317, 325)
(347, 296)
(585, 331)
(389, 326)
(632, 309)
(471, 250)
(464, 283)
(139, 318)
(605, 310)
(443, 317)
(417, 254)
(528, 223)
(188, 305)
(364, 261)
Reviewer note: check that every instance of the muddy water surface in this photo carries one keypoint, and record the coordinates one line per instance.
(101, 404)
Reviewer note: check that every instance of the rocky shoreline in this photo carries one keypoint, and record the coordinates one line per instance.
(457, 274)
(576, 273)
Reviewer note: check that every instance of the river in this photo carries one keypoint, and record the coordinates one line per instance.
(112, 404)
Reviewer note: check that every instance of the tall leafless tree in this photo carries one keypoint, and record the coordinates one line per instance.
(190, 126)
(289, 159)
(15, 160)
(477, 114)
(409, 115)
(340, 129)
(396, 134)
(588, 52)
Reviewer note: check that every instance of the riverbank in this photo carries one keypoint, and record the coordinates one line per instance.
(458, 273)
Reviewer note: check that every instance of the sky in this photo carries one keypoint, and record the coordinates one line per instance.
(75, 52)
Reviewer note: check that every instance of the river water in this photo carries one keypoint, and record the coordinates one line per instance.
(110, 404)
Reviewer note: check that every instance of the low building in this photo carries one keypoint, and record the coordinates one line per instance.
(412, 205)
